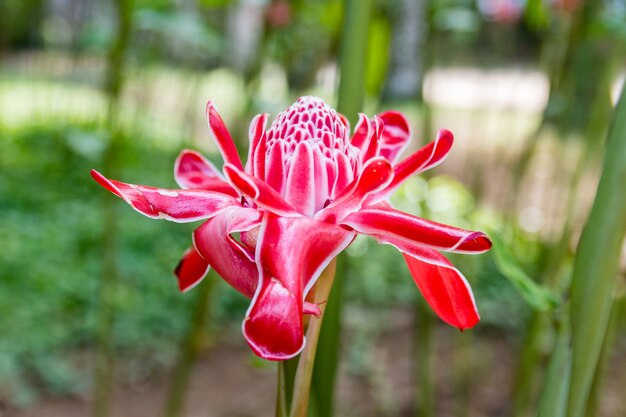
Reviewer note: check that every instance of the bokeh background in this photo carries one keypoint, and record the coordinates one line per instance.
(91, 322)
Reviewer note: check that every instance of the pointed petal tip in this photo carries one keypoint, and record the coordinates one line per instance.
(106, 183)
(476, 242)
(445, 136)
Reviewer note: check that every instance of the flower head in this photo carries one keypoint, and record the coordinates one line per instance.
(307, 190)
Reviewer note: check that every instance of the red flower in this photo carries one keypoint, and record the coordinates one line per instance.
(307, 190)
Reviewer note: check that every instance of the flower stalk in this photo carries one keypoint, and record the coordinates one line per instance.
(596, 265)
(294, 375)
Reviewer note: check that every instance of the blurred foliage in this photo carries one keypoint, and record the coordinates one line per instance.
(49, 263)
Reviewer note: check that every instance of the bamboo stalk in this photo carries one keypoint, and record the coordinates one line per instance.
(596, 265)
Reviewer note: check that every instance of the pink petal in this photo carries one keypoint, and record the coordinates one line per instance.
(376, 174)
(291, 255)
(344, 174)
(362, 133)
(194, 171)
(231, 259)
(222, 136)
(423, 159)
(191, 269)
(175, 205)
(391, 224)
(259, 192)
(395, 136)
(445, 289)
(373, 147)
(275, 174)
(300, 191)
(256, 163)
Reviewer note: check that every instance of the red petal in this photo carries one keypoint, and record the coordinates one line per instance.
(194, 171)
(175, 205)
(391, 224)
(274, 168)
(191, 269)
(256, 159)
(291, 255)
(375, 175)
(259, 191)
(231, 259)
(395, 136)
(300, 190)
(423, 159)
(445, 289)
(362, 133)
(222, 136)
(373, 147)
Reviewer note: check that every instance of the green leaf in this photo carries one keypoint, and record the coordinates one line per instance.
(538, 297)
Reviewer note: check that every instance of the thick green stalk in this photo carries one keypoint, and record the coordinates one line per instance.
(593, 405)
(104, 358)
(596, 265)
(190, 349)
(328, 347)
(424, 351)
(295, 375)
(349, 102)
(302, 380)
(553, 397)
(353, 56)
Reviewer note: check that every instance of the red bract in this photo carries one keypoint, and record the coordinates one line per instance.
(307, 190)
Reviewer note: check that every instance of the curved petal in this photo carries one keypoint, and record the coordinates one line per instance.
(421, 160)
(445, 288)
(259, 192)
(394, 225)
(291, 254)
(222, 136)
(231, 259)
(362, 133)
(395, 136)
(194, 171)
(191, 270)
(376, 174)
(256, 157)
(175, 205)
(300, 191)
(373, 147)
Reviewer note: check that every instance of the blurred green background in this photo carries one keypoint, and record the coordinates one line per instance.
(527, 87)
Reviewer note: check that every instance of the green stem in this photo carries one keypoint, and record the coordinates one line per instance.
(190, 349)
(425, 399)
(553, 397)
(104, 357)
(302, 381)
(352, 59)
(596, 265)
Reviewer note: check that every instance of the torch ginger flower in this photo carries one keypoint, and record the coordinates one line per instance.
(307, 190)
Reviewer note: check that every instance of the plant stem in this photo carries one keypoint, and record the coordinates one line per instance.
(190, 349)
(424, 340)
(104, 357)
(302, 381)
(553, 397)
(596, 265)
